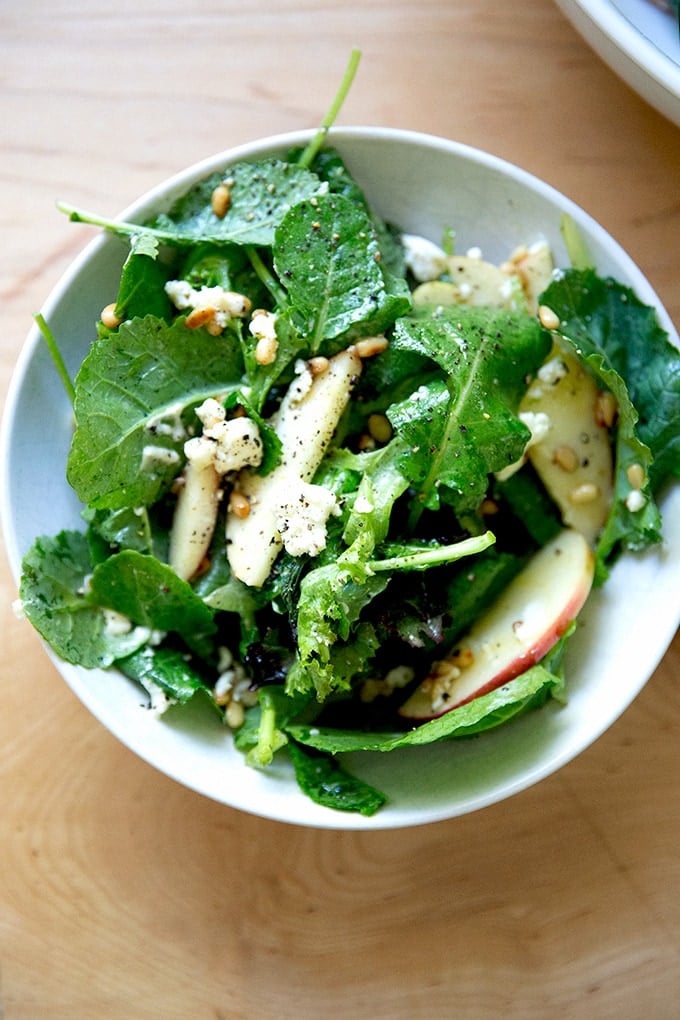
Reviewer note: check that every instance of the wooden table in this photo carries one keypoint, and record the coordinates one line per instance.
(122, 894)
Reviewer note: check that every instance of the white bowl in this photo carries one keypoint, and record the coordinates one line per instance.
(638, 41)
(423, 184)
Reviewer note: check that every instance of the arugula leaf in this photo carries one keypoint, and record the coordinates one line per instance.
(129, 383)
(609, 327)
(605, 318)
(331, 168)
(261, 193)
(151, 594)
(166, 669)
(462, 428)
(142, 284)
(122, 529)
(327, 256)
(327, 783)
(483, 713)
(53, 587)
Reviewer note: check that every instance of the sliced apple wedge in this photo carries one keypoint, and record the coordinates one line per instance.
(517, 630)
(574, 458)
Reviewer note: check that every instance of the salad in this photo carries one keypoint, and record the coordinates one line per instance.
(349, 486)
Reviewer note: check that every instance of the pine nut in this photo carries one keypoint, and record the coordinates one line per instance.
(109, 317)
(220, 200)
(318, 365)
(370, 346)
(238, 505)
(605, 409)
(566, 458)
(547, 318)
(199, 317)
(265, 350)
(586, 493)
(636, 476)
(234, 715)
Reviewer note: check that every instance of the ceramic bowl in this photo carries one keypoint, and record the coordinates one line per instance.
(423, 184)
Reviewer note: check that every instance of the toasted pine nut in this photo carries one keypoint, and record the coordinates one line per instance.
(220, 200)
(635, 474)
(109, 317)
(317, 365)
(605, 409)
(547, 318)
(200, 317)
(566, 458)
(370, 346)
(265, 350)
(234, 714)
(238, 504)
(585, 493)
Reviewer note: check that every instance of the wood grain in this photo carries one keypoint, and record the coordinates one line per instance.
(121, 893)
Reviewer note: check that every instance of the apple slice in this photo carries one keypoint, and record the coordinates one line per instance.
(517, 630)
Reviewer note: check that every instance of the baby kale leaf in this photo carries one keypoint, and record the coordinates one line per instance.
(464, 426)
(327, 255)
(130, 393)
(261, 194)
(53, 595)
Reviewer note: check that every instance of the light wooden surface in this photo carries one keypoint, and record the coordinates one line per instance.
(123, 895)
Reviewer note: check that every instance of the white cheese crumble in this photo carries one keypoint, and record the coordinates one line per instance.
(168, 422)
(301, 518)
(426, 260)
(226, 304)
(228, 445)
(635, 501)
(158, 456)
(552, 371)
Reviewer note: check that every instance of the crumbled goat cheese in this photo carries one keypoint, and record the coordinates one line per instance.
(301, 385)
(635, 501)
(168, 422)
(226, 304)
(552, 371)
(116, 623)
(210, 412)
(158, 456)
(474, 253)
(425, 259)
(227, 445)
(301, 518)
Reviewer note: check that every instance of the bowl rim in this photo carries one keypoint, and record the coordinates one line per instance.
(163, 193)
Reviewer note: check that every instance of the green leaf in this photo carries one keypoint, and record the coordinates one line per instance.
(326, 254)
(460, 429)
(130, 393)
(166, 669)
(142, 283)
(486, 712)
(327, 783)
(151, 594)
(604, 317)
(53, 586)
(622, 346)
(262, 193)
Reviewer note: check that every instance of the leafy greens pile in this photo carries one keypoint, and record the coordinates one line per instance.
(409, 561)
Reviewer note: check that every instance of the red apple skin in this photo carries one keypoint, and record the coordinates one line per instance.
(524, 623)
